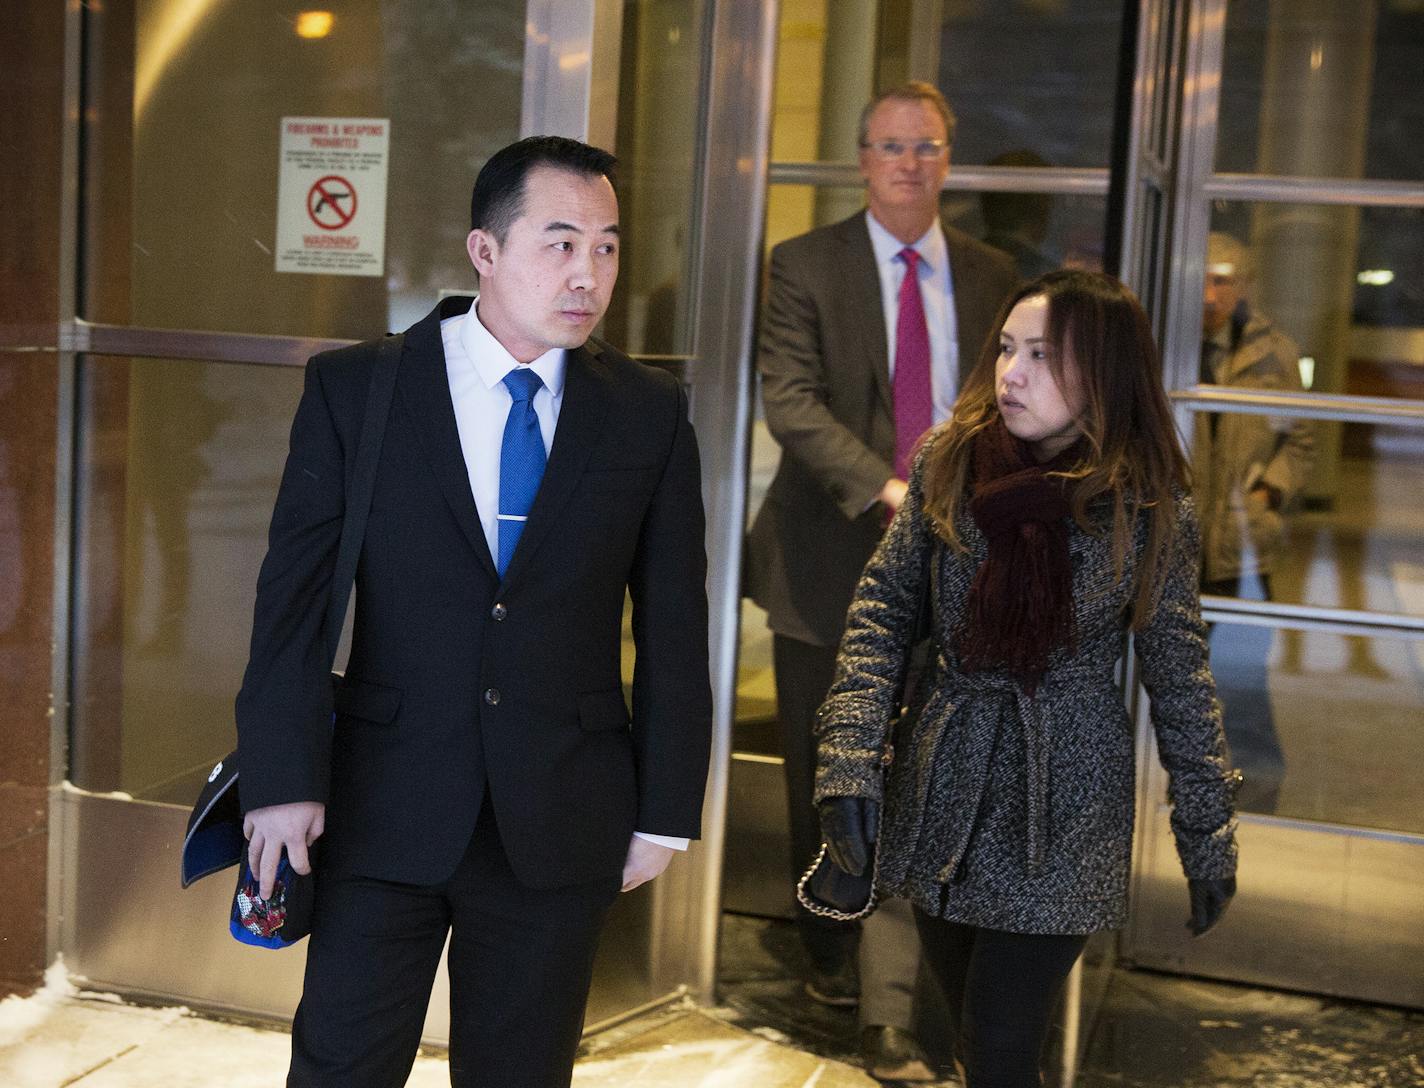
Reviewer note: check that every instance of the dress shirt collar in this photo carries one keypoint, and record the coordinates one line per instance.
(930, 246)
(492, 362)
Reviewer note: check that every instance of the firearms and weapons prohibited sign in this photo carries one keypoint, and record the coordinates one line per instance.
(331, 196)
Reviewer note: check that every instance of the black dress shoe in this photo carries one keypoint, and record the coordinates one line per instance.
(840, 989)
(892, 1054)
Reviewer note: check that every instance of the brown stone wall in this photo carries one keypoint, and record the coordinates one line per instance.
(31, 75)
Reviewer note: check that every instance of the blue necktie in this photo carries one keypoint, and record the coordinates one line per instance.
(521, 462)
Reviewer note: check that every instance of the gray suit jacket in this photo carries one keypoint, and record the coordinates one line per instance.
(825, 384)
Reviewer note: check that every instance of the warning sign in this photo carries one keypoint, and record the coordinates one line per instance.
(331, 199)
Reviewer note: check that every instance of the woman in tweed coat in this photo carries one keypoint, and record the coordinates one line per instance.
(1046, 520)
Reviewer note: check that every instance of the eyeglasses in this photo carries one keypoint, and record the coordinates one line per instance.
(893, 149)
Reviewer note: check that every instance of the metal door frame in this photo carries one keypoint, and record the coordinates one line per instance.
(571, 69)
(1152, 34)
(1154, 935)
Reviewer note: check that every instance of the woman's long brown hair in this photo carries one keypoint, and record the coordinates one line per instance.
(1132, 454)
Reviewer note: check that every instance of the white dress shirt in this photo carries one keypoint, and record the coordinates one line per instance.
(475, 365)
(937, 294)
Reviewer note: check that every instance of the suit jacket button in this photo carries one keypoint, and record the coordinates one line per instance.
(499, 612)
(492, 696)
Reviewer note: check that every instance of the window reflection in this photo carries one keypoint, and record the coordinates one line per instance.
(182, 149)
(1032, 75)
(1040, 231)
(831, 57)
(1322, 88)
(1355, 541)
(657, 153)
(1324, 727)
(1344, 284)
(179, 463)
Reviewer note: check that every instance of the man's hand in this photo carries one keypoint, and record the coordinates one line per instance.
(645, 861)
(893, 493)
(295, 826)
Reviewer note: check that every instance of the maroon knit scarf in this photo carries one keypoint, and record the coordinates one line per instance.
(1020, 605)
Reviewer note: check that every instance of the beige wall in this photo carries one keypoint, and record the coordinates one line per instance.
(796, 113)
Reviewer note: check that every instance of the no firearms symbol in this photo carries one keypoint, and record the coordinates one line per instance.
(331, 202)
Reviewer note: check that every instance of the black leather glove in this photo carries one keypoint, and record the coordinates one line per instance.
(1209, 899)
(848, 825)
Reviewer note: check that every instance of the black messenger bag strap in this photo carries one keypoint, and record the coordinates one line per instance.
(214, 839)
(361, 487)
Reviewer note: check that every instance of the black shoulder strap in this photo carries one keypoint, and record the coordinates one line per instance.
(362, 487)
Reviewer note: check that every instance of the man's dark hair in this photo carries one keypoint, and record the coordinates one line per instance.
(498, 199)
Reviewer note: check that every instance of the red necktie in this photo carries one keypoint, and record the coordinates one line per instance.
(912, 393)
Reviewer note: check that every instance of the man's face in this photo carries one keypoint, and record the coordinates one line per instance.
(1220, 297)
(906, 182)
(548, 284)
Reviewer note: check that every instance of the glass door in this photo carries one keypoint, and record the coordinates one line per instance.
(1294, 343)
(195, 321)
(1028, 176)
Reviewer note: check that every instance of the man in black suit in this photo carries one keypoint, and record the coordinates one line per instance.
(483, 776)
(855, 365)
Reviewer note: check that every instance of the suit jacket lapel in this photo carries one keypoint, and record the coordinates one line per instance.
(863, 282)
(587, 396)
(424, 387)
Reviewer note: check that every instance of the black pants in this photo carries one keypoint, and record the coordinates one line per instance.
(521, 962)
(1001, 989)
(803, 676)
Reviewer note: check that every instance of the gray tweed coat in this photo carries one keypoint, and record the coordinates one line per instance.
(1009, 811)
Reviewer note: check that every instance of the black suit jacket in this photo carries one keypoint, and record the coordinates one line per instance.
(825, 385)
(460, 682)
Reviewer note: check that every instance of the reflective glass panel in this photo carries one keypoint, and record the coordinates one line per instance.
(1322, 88)
(184, 157)
(177, 469)
(1040, 231)
(1323, 726)
(1031, 79)
(1344, 285)
(1328, 512)
(657, 148)
(1007, 69)
(825, 72)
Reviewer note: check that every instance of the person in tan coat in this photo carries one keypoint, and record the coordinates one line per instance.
(1248, 473)
(1248, 470)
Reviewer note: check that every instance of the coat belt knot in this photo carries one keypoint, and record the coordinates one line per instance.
(982, 694)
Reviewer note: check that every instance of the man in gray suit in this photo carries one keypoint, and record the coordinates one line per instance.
(855, 365)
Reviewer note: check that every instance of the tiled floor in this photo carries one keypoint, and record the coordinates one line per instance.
(1153, 1031)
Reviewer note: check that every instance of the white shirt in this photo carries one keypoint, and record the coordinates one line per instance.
(937, 295)
(475, 366)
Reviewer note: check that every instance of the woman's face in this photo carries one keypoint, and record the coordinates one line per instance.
(1032, 405)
